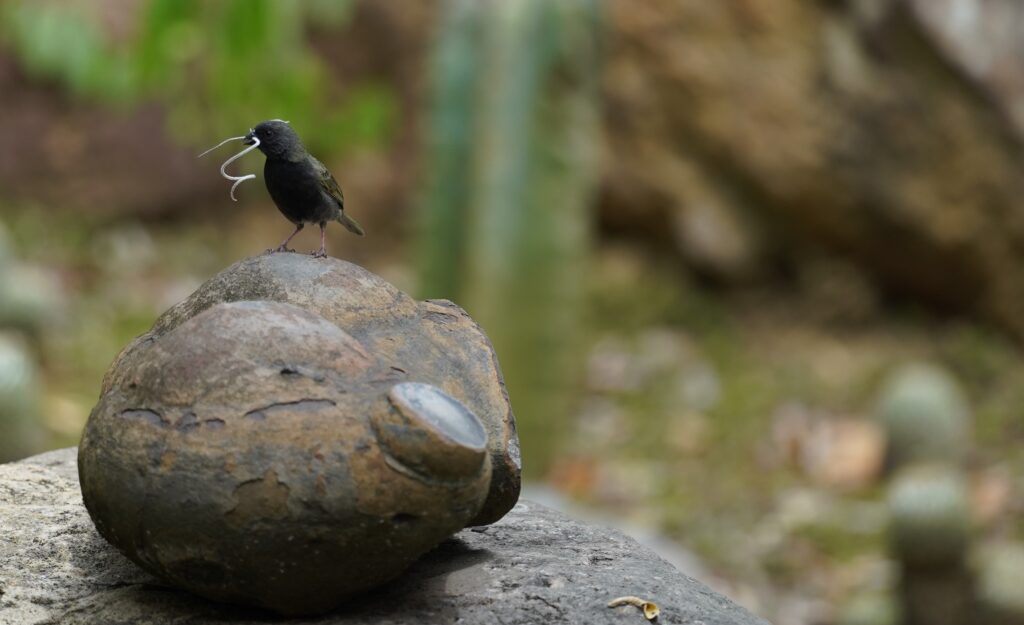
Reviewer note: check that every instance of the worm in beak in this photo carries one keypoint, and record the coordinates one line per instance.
(250, 140)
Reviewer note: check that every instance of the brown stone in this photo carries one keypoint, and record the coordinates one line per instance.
(295, 432)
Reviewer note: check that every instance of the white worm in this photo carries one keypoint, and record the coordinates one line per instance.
(238, 179)
(220, 144)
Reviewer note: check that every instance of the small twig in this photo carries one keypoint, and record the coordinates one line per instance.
(649, 608)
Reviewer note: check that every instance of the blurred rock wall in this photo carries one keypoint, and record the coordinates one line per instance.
(887, 132)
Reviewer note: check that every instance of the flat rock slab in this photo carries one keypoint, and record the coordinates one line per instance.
(533, 566)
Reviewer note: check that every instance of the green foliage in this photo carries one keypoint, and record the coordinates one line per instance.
(57, 42)
(218, 66)
(456, 70)
(511, 175)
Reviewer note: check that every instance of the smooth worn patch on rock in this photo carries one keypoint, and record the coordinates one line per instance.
(533, 566)
(265, 498)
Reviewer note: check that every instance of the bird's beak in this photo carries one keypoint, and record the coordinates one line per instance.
(249, 139)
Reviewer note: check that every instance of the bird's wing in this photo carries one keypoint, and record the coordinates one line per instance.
(327, 182)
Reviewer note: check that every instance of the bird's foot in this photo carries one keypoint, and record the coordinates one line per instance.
(320, 253)
(279, 248)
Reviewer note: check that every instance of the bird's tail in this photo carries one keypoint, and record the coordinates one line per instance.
(352, 225)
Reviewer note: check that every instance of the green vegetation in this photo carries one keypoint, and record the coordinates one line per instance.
(507, 212)
(211, 63)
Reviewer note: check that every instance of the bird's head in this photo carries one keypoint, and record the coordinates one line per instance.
(276, 139)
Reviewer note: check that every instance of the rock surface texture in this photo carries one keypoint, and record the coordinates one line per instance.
(297, 432)
(533, 566)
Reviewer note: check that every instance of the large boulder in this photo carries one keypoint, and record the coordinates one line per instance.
(297, 432)
(764, 133)
(533, 566)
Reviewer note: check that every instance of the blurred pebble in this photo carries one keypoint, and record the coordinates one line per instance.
(611, 367)
(20, 435)
(991, 495)
(573, 476)
(688, 433)
(1000, 569)
(628, 484)
(127, 248)
(601, 424)
(660, 350)
(31, 298)
(698, 388)
(873, 608)
(844, 453)
(790, 427)
(841, 452)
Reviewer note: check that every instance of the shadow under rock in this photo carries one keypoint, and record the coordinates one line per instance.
(452, 568)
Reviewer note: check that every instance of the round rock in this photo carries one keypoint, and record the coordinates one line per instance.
(262, 453)
(434, 342)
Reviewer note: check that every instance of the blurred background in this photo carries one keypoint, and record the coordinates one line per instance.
(754, 269)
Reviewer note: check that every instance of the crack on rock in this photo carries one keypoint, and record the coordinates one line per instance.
(115, 584)
(298, 371)
(188, 422)
(456, 310)
(404, 518)
(145, 415)
(304, 405)
(557, 608)
(155, 452)
(437, 316)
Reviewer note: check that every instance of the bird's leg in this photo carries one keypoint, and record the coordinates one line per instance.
(284, 245)
(322, 252)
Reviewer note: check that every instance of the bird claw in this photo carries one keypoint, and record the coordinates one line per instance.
(321, 253)
(279, 248)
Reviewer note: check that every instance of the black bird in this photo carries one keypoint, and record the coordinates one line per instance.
(303, 189)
